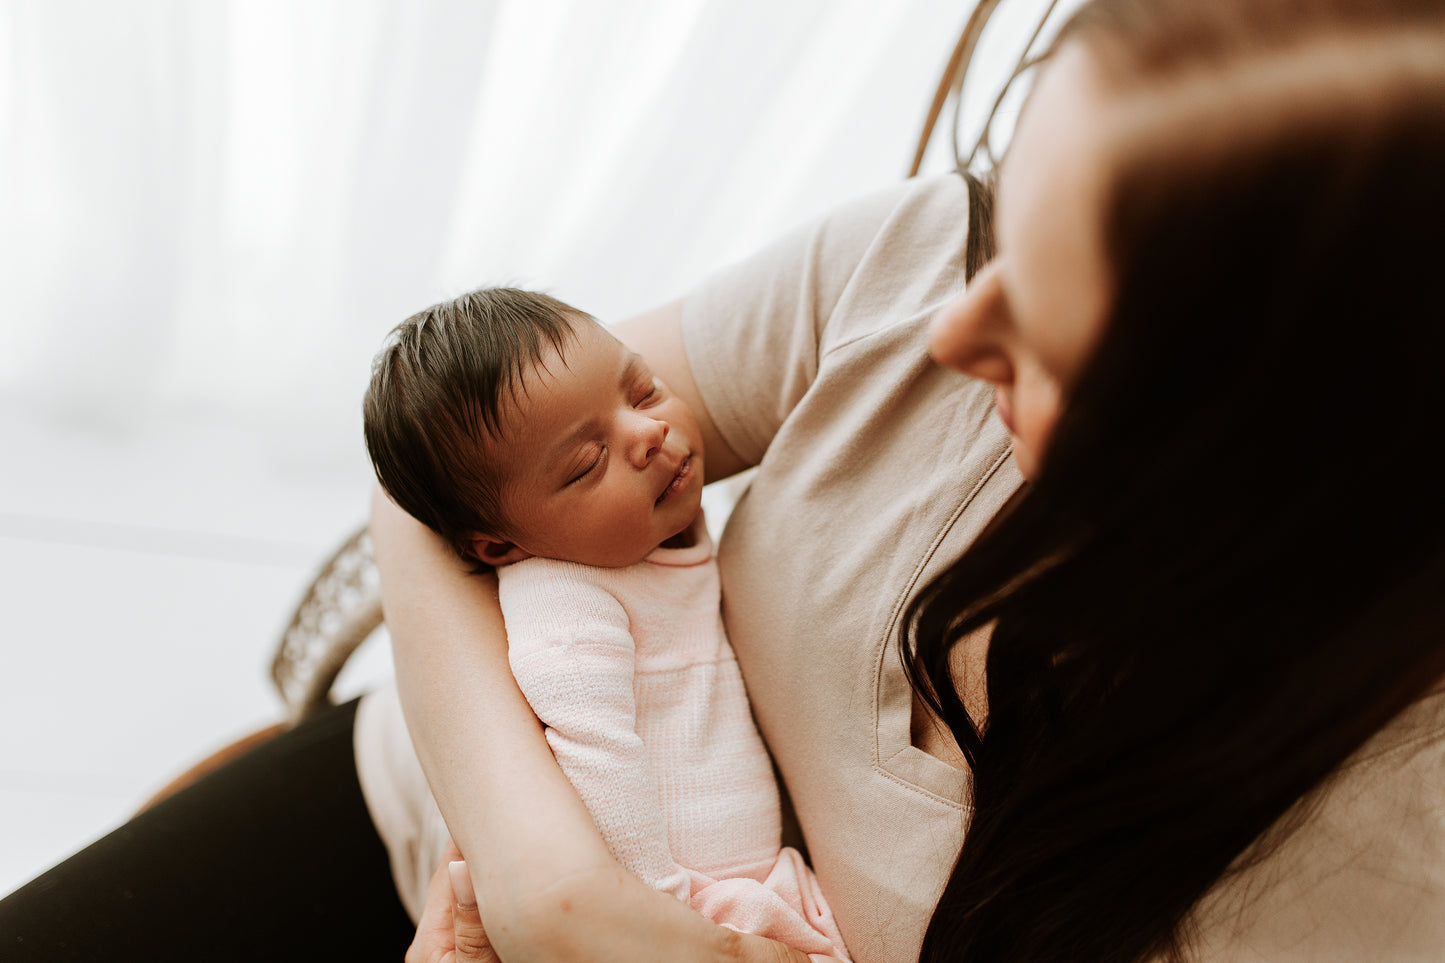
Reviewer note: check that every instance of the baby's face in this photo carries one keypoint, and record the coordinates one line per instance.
(602, 463)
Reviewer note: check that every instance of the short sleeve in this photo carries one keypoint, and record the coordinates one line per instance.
(754, 331)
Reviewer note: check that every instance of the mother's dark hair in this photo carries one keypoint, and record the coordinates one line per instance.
(1229, 571)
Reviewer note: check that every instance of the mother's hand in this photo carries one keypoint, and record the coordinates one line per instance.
(450, 930)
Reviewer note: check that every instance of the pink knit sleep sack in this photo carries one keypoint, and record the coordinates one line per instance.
(645, 709)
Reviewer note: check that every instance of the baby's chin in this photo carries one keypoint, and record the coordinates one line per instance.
(620, 557)
(623, 554)
(686, 538)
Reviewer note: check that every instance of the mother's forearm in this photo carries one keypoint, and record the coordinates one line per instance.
(507, 805)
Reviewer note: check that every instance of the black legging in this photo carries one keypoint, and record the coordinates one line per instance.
(272, 857)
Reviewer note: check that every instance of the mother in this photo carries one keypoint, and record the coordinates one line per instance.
(1208, 723)
(1211, 725)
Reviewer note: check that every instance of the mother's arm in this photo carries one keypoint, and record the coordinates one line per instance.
(547, 885)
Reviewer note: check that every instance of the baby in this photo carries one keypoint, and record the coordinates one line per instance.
(523, 433)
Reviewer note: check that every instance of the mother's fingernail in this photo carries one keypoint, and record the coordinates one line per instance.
(462, 891)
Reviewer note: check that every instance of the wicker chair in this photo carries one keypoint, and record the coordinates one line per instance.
(341, 607)
(340, 610)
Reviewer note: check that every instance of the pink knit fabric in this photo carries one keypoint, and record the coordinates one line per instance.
(645, 709)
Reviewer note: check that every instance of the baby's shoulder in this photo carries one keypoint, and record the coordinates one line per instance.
(554, 583)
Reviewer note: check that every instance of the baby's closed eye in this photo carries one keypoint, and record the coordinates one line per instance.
(587, 462)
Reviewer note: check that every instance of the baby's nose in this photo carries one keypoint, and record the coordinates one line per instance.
(650, 436)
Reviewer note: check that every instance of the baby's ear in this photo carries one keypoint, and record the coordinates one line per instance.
(496, 552)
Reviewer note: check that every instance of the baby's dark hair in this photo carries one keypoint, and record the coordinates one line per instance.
(436, 395)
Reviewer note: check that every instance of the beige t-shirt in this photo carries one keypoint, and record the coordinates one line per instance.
(876, 469)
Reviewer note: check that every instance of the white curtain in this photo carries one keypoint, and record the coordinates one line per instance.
(225, 205)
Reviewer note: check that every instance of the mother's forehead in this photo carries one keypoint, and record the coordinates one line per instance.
(1063, 120)
(1049, 222)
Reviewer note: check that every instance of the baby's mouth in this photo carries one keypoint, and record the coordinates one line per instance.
(683, 471)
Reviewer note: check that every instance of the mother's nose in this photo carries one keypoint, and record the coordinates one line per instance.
(970, 332)
(645, 437)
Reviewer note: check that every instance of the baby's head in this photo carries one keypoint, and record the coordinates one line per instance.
(514, 425)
